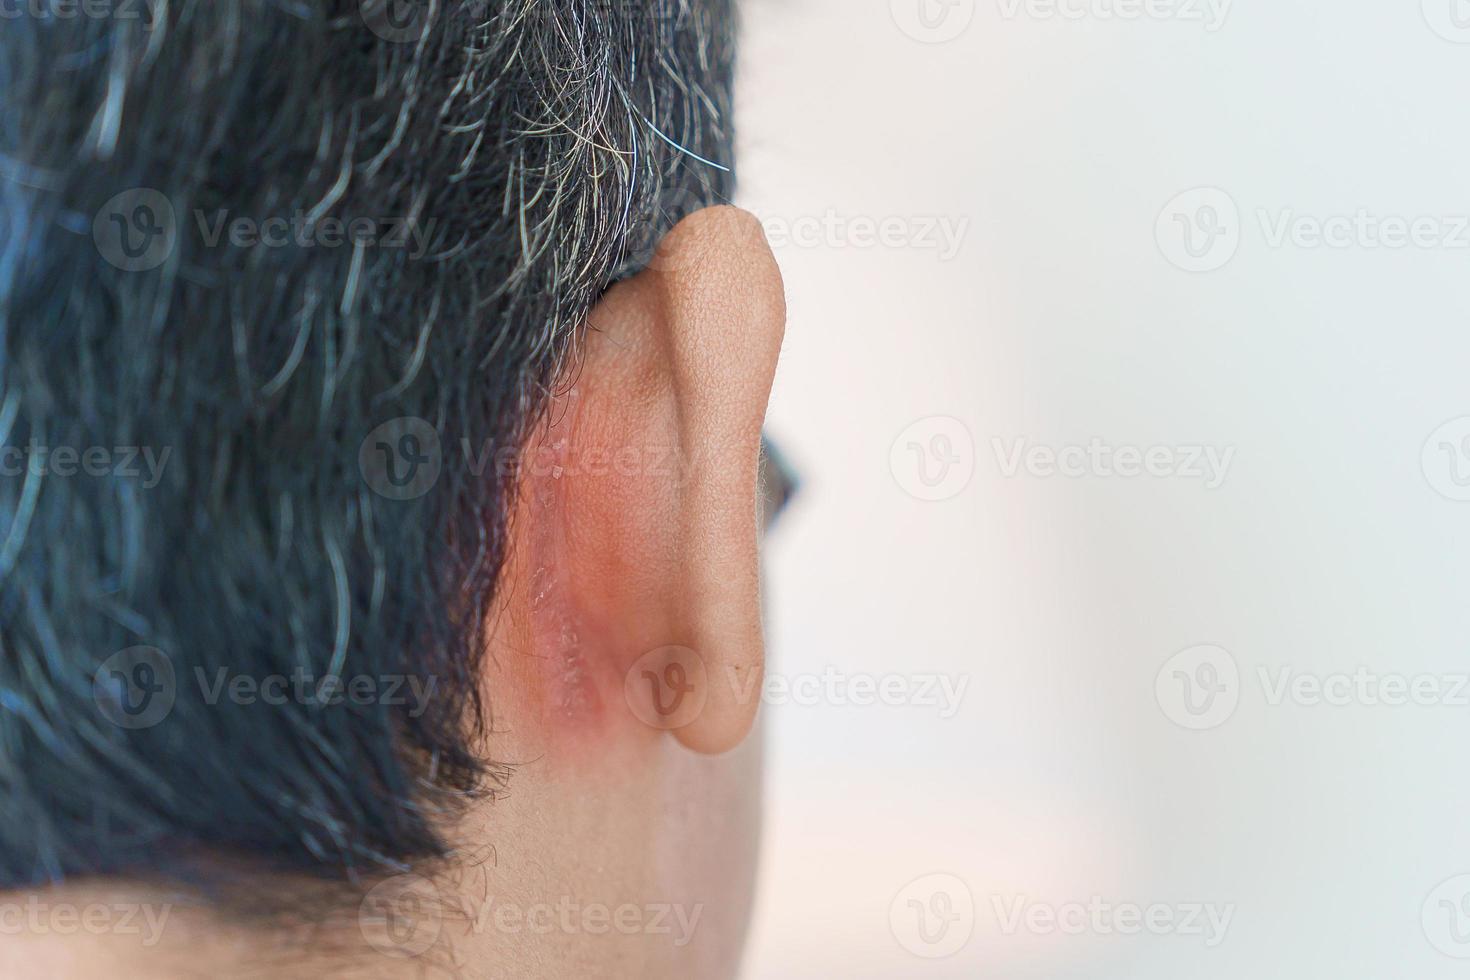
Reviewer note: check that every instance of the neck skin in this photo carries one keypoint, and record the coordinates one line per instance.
(577, 877)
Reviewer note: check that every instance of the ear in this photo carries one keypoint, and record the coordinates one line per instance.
(640, 515)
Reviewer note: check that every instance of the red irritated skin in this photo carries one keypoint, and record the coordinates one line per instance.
(552, 675)
(587, 549)
(587, 539)
(578, 672)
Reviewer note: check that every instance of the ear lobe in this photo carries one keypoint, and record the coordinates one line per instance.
(659, 546)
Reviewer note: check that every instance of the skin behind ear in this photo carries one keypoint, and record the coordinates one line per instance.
(634, 551)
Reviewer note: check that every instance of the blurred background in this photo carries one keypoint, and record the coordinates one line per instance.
(1121, 627)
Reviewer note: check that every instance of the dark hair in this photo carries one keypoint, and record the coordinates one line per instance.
(534, 147)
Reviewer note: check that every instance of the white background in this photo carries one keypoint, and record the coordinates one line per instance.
(1327, 548)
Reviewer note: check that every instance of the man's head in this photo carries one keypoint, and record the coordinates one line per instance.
(345, 510)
